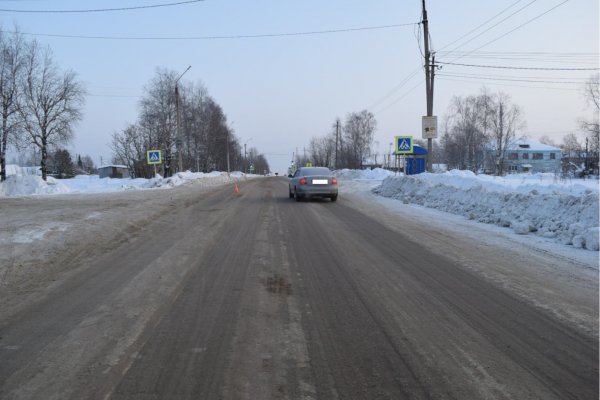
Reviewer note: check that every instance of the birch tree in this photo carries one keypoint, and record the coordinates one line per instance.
(50, 103)
(11, 62)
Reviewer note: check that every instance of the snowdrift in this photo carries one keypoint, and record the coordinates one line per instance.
(28, 185)
(566, 211)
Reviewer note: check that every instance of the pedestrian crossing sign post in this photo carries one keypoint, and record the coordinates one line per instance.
(404, 144)
(154, 157)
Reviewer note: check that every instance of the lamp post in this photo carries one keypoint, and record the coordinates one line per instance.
(179, 141)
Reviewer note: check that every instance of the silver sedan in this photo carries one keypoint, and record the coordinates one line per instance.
(312, 182)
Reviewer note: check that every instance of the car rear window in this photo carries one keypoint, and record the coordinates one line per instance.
(315, 171)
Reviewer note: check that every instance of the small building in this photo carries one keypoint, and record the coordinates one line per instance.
(113, 171)
(416, 162)
(528, 155)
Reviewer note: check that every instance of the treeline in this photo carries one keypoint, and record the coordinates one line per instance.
(347, 145)
(39, 104)
(202, 137)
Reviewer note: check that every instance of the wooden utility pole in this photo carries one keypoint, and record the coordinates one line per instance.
(337, 136)
(428, 84)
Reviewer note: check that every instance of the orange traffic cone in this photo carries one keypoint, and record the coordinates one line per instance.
(236, 189)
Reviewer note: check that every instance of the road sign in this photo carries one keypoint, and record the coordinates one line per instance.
(429, 125)
(404, 144)
(154, 157)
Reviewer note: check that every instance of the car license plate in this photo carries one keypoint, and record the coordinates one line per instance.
(319, 181)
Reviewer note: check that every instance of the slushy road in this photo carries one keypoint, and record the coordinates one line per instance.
(255, 296)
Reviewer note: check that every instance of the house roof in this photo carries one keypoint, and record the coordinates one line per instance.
(533, 145)
(113, 166)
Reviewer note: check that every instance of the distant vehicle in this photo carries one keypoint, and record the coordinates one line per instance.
(313, 182)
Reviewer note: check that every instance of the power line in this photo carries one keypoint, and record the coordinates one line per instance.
(522, 25)
(482, 24)
(101, 9)
(474, 75)
(258, 36)
(399, 98)
(395, 88)
(496, 24)
(516, 53)
(510, 85)
(524, 68)
(509, 79)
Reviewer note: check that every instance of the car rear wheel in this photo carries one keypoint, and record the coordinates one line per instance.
(334, 198)
(296, 195)
(291, 194)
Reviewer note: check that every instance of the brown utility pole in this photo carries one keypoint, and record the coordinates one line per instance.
(337, 135)
(429, 75)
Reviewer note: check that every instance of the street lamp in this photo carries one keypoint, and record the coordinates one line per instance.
(179, 141)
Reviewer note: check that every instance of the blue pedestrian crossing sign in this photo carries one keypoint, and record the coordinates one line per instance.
(404, 144)
(153, 157)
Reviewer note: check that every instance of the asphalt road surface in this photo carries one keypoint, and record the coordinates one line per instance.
(255, 296)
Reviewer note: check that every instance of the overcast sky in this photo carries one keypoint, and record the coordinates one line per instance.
(279, 91)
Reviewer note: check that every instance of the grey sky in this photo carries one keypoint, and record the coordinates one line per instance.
(278, 92)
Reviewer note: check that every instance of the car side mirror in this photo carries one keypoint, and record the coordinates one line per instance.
(290, 176)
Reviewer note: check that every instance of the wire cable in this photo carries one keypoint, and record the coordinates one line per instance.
(258, 36)
(509, 79)
(399, 98)
(100, 9)
(482, 24)
(496, 24)
(514, 29)
(523, 68)
(510, 85)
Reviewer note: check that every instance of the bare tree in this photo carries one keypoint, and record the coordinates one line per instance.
(546, 140)
(477, 124)
(359, 129)
(591, 126)
(129, 148)
(50, 102)
(506, 121)
(322, 150)
(465, 139)
(11, 61)
(158, 115)
(570, 146)
(88, 164)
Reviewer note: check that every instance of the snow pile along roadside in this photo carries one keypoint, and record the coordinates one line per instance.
(370, 174)
(566, 211)
(26, 185)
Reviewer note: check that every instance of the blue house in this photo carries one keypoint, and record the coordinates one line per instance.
(528, 155)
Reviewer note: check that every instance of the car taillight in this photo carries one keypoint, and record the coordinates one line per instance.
(303, 181)
(334, 181)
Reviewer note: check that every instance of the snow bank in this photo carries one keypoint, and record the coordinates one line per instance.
(566, 211)
(28, 185)
(370, 174)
